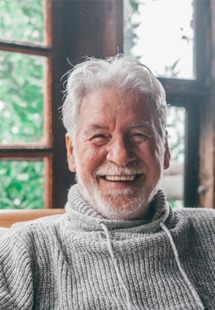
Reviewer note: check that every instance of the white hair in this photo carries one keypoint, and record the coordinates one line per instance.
(123, 72)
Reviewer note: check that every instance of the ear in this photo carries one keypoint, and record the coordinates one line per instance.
(70, 154)
(167, 154)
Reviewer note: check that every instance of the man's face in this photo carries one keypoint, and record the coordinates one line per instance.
(118, 155)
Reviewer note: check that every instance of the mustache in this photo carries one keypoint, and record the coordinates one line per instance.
(112, 169)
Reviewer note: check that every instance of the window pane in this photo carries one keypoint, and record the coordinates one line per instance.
(160, 33)
(21, 184)
(22, 84)
(173, 179)
(22, 20)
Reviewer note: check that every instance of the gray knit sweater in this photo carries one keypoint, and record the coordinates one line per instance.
(81, 261)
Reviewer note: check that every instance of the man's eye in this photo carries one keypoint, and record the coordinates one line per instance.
(138, 137)
(99, 138)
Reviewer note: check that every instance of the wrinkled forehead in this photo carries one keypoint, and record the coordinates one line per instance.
(111, 107)
(104, 99)
(108, 93)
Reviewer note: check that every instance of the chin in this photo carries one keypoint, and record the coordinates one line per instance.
(121, 205)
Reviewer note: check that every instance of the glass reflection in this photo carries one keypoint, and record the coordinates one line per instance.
(160, 33)
(22, 21)
(21, 184)
(22, 84)
(173, 178)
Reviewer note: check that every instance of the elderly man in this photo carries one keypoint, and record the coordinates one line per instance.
(119, 244)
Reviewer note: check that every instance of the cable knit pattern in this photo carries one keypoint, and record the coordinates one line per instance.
(82, 261)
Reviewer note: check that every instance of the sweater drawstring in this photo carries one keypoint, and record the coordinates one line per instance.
(183, 273)
(115, 263)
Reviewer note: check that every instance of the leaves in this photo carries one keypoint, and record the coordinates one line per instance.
(21, 184)
(21, 104)
(22, 97)
(130, 25)
(22, 20)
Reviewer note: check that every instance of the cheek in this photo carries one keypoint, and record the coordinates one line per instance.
(146, 152)
(91, 158)
(151, 154)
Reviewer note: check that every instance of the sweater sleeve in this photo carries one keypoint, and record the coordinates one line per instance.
(16, 284)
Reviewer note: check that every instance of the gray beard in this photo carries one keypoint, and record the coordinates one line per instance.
(136, 202)
(134, 207)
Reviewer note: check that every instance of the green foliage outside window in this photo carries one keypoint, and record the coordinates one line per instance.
(22, 20)
(22, 79)
(21, 184)
(21, 99)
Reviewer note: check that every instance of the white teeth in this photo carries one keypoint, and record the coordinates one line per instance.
(120, 177)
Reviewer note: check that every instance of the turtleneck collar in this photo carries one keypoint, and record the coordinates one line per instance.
(84, 217)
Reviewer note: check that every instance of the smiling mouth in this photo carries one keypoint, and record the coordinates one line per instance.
(121, 178)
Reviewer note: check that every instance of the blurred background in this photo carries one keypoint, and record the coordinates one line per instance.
(41, 39)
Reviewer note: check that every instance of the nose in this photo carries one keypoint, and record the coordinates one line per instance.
(120, 152)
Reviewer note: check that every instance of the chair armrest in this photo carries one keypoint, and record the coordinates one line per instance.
(9, 217)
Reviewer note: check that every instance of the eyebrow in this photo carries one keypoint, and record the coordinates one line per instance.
(141, 125)
(144, 125)
(95, 127)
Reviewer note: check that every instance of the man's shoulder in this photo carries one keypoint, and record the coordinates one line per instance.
(48, 221)
(197, 216)
(196, 212)
(33, 230)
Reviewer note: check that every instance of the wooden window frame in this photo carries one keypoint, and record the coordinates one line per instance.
(33, 151)
(194, 95)
(73, 36)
